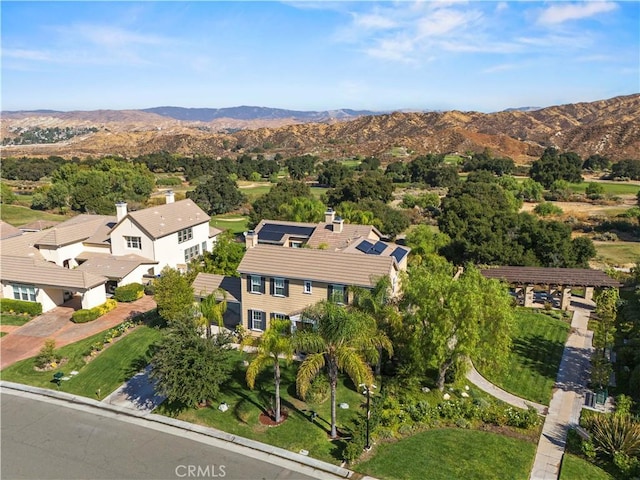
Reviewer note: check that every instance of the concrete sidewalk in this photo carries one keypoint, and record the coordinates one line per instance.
(485, 385)
(568, 396)
(138, 393)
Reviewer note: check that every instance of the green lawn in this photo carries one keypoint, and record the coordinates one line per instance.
(617, 253)
(576, 468)
(447, 454)
(317, 192)
(538, 343)
(16, 215)
(106, 372)
(11, 319)
(253, 190)
(297, 432)
(235, 223)
(610, 188)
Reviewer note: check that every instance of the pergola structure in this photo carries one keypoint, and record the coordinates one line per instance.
(560, 280)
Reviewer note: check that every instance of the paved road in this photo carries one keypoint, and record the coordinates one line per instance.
(52, 440)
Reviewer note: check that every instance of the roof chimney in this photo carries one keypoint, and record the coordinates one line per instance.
(121, 211)
(337, 224)
(250, 239)
(329, 215)
(169, 196)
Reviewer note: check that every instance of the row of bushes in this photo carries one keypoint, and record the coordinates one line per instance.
(129, 292)
(109, 337)
(20, 306)
(87, 315)
(394, 416)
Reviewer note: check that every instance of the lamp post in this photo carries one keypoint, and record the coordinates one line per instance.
(367, 392)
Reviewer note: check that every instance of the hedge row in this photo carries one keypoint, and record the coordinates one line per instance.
(129, 293)
(20, 306)
(88, 315)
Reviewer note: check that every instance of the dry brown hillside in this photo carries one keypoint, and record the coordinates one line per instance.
(607, 127)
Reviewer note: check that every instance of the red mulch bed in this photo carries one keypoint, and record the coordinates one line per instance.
(269, 421)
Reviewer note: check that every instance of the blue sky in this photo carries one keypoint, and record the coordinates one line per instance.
(317, 55)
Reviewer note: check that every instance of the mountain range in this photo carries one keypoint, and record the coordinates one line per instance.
(607, 127)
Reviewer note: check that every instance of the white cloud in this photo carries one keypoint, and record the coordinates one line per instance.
(399, 49)
(445, 21)
(373, 21)
(501, 68)
(24, 54)
(110, 36)
(561, 12)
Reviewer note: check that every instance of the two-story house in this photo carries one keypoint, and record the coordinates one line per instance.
(90, 255)
(279, 279)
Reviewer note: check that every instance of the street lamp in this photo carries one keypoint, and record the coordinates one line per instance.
(367, 392)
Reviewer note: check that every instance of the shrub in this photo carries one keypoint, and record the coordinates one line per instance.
(319, 390)
(168, 181)
(20, 306)
(129, 292)
(87, 315)
(614, 435)
(546, 209)
(47, 354)
(243, 411)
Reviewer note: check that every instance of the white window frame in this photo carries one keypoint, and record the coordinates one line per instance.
(255, 287)
(279, 316)
(343, 288)
(191, 253)
(295, 244)
(261, 320)
(26, 293)
(308, 287)
(279, 284)
(185, 234)
(133, 242)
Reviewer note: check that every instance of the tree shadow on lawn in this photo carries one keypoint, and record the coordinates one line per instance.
(535, 353)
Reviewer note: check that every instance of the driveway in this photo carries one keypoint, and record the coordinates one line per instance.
(27, 340)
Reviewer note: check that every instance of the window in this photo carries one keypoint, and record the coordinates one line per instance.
(204, 247)
(279, 287)
(191, 252)
(279, 316)
(255, 284)
(134, 242)
(338, 293)
(256, 320)
(185, 234)
(308, 286)
(24, 292)
(294, 244)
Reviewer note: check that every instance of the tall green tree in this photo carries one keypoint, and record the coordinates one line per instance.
(342, 340)
(174, 296)
(190, 369)
(272, 347)
(446, 321)
(223, 259)
(219, 194)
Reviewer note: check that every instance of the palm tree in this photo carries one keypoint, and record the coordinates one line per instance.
(343, 340)
(274, 345)
(378, 302)
(213, 310)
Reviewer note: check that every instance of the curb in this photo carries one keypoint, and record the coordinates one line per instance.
(269, 450)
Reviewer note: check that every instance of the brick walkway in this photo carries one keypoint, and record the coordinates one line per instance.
(26, 341)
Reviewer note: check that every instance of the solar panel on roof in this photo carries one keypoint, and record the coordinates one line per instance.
(364, 246)
(296, 230)
(399, 253)
(270, 236)
(378, 248)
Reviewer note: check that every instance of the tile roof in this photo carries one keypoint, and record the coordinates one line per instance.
(161, 220)
(324, 235)
(111, 266)
(37, 272)
(23, 245)
(206, 283)
(319, 265)
(76, 229)
(38, 225)
(7, 230)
